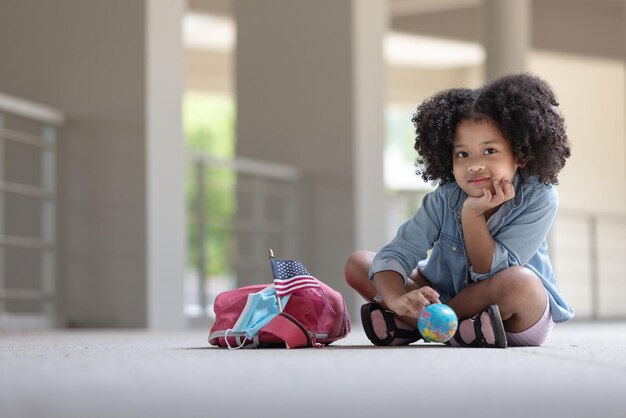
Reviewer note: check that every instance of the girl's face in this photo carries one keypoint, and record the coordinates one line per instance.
(481, 155)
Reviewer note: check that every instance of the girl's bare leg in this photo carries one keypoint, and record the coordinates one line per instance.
(517, 291)
(356, 273)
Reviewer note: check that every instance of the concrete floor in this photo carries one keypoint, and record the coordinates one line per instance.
(580, 372)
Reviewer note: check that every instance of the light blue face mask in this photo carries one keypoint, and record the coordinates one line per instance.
(261, 307)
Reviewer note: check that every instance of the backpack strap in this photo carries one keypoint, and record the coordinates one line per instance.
(239, 339)
(290, 330)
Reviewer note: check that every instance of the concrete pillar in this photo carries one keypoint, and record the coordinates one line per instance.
(165, 164)
(370, 25)
(310, 92)
(115, 70)
(506, 36)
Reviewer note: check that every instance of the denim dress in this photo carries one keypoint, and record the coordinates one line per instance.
(519, 228)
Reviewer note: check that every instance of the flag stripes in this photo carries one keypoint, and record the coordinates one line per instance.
(287, 286)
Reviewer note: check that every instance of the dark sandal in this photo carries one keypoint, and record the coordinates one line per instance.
(479, 338)
(395, 335)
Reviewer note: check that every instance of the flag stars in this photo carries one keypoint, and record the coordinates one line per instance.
(290, 276)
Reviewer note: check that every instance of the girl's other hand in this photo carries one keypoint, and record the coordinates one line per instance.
(412, 303)
(504, 191)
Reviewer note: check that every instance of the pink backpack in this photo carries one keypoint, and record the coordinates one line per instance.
(313, 317)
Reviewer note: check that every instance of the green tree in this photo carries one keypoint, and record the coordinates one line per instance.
(209, 128)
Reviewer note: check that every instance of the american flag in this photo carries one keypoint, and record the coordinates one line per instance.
(290, 275)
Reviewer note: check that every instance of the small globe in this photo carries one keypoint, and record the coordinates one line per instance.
(437, 323)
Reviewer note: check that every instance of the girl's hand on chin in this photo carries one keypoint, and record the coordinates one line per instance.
(504, 191)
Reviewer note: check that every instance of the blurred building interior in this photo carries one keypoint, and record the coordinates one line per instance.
(151, 152)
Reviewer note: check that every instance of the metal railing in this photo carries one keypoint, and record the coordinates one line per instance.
(15, 115)
(227, 246)
(589, 257)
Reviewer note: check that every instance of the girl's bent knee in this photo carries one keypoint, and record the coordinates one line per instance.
(518, 281)
(517, 273)
(356, 269)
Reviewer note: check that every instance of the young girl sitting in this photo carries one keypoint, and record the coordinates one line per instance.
(495, 152)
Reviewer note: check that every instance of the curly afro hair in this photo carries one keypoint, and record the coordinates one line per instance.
(524, 108)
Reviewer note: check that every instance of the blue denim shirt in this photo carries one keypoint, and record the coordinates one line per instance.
(519, 228)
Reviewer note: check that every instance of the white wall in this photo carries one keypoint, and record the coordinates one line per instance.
(413, 85)
(209, 71)
(592, 93)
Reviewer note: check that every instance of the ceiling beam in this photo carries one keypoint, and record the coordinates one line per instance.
(420, 7)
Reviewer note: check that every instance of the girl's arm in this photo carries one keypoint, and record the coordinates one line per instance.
(413, 239)
(519, 240)
(394, 263)
(479, 243)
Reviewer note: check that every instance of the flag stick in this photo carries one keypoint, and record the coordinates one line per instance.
(280, 305)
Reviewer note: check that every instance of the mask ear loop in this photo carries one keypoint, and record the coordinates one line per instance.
(228, 344)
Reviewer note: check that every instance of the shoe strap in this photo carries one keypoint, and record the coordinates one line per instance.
(393, 331)
(479, 340)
